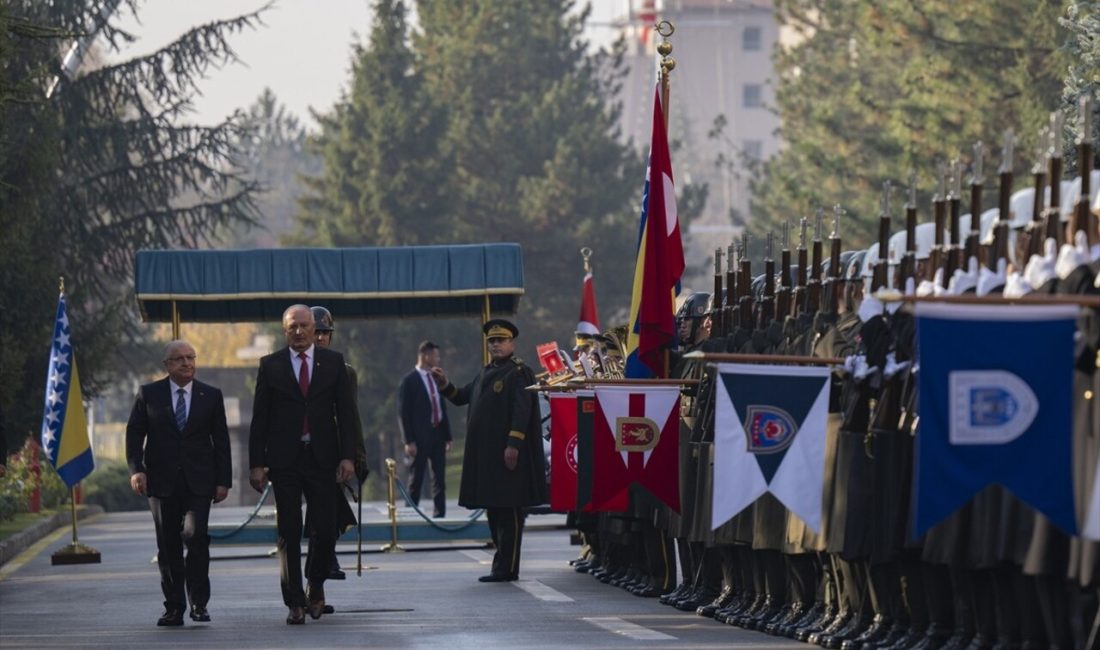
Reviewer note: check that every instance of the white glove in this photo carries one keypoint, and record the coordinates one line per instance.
(911, 286)
(1016, 285)
(856, 365)
(1073, 255)
(893, 367)
(869, 308)
(1040, 268)
(990, 280)
(964, 281)
(926, 288)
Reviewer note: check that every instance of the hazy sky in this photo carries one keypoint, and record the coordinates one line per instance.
(302, 53)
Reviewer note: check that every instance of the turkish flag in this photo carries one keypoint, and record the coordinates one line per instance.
(563, 452)
(636, 439)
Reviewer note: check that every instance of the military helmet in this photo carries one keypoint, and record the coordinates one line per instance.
(695, 306)
(322, 318)
(854, 266)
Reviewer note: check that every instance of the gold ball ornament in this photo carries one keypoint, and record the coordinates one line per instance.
(668, 63)
(664, 48)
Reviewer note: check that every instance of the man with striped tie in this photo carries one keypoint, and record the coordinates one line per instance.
(177, 446)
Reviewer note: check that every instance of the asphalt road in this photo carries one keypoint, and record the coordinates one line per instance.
(417, 599)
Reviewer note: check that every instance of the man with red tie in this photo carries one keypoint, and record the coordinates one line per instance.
(303, 437)
(424, 424)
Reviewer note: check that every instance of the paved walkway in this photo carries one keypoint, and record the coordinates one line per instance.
(417, 599)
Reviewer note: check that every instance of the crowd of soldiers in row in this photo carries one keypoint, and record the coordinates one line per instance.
(994, 574)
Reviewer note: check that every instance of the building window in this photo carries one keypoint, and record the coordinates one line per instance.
(753, 149)
(751, 39)
(752, 96)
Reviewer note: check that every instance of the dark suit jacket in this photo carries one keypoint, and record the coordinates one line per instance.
(280, 409)
(156, 446)
(414, 408)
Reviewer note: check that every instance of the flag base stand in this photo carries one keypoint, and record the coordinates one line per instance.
(75, 553)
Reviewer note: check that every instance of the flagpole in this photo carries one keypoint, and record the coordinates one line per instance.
(74, 553)
(664, 48)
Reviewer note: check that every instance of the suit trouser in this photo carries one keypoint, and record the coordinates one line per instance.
(506, 526)
(436, 456)
(181, 520)
(306, 478)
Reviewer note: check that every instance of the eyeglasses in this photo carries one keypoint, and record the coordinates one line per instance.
(180, 359)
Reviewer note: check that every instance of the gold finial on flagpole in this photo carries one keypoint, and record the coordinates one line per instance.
(664, 48)
(61, 283)
(586, 253)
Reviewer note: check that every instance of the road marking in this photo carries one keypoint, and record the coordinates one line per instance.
(542, 592)
(480, 557)
(627, 629)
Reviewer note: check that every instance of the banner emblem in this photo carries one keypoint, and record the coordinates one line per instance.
(770, 429)
(990, 407)
(636, 434)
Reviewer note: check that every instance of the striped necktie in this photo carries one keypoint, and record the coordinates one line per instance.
(181, 409)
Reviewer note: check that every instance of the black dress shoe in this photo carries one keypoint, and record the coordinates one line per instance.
(438, 515)
(329, 609)
(316, 596)
(199, 613)
(297, 616)
(337, 574)
(172, 617)
(497, 577)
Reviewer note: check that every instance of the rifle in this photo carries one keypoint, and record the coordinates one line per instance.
(954, 250)
(1053, 229)
(1038, 175)
(813, 285)
(976, 181)
(767, 304)
(879, 277)
(909, 260)
(744, 280)
(832, 288)
(716, 297)
(939, 215)
(783, 293)
(1081, 217)
(800, 276)
(732, 314)
(1004, 215)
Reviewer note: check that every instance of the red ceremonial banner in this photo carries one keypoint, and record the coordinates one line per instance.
(563, 452)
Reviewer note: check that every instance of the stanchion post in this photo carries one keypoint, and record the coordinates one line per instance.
(391, 471)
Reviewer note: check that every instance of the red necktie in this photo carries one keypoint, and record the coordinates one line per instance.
(436, 416)
(303, 385)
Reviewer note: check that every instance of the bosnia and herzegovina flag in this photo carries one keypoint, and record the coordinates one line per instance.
(995, 389)
(660, 262)
(64, 426)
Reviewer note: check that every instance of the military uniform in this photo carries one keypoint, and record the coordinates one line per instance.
(502, 414)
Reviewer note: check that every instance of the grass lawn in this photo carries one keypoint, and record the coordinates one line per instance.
(9, 527)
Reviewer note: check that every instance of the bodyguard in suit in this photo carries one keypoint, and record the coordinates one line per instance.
(503, 469)
(177, 447)
(303, 438)
(423, 421)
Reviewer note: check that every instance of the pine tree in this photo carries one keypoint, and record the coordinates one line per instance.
(93, 167)
(874, 91)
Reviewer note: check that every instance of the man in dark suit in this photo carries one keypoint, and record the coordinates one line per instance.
(303, 437)
(503, 469)
(423, 421)
(177, 446)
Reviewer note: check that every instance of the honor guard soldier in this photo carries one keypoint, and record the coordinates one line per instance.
(503, 470)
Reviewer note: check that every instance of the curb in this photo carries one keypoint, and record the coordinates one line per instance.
(22, 540)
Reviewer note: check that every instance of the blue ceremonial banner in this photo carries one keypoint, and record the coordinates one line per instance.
(769, 436)
(995, 389)
(64, 425)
